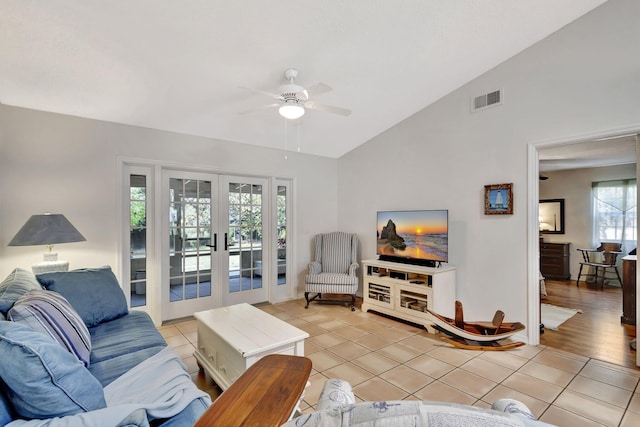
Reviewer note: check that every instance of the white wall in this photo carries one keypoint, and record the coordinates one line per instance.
(581, 80)
(63, 164)
(574, 186)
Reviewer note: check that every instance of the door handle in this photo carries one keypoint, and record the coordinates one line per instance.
(215, 242)
(226, 242)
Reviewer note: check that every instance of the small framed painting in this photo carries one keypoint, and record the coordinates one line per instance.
(498, 199)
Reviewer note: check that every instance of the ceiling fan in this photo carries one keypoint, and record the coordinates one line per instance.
(293, 100)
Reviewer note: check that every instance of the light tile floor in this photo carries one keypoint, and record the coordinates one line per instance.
(385, 359)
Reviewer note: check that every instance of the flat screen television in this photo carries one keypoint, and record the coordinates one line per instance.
(414, 237)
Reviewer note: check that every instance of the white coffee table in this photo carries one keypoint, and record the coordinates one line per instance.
(230, 339)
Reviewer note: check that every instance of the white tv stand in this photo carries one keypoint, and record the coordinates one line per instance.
(406, 291)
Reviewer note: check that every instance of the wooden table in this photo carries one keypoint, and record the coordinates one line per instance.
(231, 339)
(265, 395)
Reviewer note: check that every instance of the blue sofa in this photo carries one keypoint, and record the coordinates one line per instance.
(66, 383)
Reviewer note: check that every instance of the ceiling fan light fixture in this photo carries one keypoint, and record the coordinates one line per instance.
(291, 110)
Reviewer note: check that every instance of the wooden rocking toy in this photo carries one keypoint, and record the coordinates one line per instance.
(477, 335)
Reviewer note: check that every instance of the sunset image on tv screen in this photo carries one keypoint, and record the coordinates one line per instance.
(413, 234)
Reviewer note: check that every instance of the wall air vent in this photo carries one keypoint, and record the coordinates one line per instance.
(490, 99)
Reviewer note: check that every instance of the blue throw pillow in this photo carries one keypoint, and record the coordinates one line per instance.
(19, 282)
(49, 312)
(93, 292)
(43, 380)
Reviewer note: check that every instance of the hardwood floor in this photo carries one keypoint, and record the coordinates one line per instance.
(597, 332)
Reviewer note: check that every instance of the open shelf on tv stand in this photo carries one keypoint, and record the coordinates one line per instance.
(406, 291)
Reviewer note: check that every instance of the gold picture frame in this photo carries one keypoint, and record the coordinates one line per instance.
(498, 199)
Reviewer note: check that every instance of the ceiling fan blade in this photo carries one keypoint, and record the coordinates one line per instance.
(327, 108)
(253, 110)
(262, 92)
(318, 89)
(303, 96)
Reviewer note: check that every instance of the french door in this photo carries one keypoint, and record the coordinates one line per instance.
(213, 242)
(245, 202)
(190, 276)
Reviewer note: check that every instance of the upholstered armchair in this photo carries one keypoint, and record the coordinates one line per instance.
(334, 269)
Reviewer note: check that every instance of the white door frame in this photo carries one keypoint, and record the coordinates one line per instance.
(125, 171)
(279, 293)
(157, 238)
(533, 245)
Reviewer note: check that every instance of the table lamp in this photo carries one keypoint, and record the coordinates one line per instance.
(47, 229)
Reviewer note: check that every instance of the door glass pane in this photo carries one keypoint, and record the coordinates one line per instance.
(204, 192)
(281, 227)
(189, 238)
(204, 240)
(244, 237)
(138, 239)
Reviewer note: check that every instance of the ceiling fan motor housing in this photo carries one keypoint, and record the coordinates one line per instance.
(293, 92)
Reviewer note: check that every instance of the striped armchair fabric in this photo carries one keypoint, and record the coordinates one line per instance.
(334, 269)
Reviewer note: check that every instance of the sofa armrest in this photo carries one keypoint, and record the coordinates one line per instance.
(335, 393)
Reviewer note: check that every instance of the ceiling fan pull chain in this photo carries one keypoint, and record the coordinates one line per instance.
(286, 142)
(298, 136)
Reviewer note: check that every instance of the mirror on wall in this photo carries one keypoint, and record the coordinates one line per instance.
(551, 216)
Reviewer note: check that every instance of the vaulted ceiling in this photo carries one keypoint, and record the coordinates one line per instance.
(185, 65)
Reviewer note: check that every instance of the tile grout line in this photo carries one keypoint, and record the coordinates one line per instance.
(297, 316)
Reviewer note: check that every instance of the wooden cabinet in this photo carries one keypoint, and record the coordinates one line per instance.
(406, 291)
(554, 260)
(629, 290)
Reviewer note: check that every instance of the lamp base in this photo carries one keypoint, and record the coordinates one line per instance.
(50, 256)
(50, 267)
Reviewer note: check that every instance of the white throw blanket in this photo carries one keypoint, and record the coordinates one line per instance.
(158, 387)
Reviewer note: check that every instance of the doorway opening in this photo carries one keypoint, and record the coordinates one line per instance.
(559, 170)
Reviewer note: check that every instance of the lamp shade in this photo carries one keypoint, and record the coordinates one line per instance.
(47, 229)
(291, 110)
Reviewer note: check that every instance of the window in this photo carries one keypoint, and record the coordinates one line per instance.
(615, 212)
(138, 238)
(281, 233)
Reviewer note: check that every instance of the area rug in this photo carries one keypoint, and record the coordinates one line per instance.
(553, 316)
